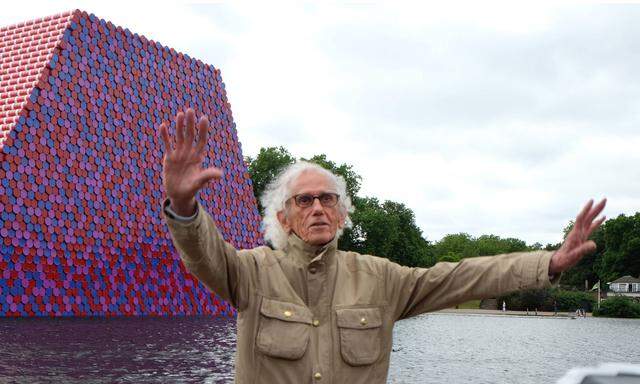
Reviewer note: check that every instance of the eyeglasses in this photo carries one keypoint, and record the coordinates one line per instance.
(326, 199)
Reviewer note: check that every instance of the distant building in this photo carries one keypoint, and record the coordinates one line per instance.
(625, 286)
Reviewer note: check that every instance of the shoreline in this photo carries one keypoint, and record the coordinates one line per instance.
(497, 312)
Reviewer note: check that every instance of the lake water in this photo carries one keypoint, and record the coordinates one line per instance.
(435, 348)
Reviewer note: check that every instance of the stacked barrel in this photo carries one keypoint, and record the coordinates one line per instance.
(80, 171)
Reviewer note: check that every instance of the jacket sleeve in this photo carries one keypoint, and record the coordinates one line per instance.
(217, 264)
(413, 291)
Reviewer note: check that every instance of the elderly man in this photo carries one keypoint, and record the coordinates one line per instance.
(308, 312)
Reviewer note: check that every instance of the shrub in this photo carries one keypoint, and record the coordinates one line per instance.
(544, 299)
(572, 300)
(522, 300)
(618, 306)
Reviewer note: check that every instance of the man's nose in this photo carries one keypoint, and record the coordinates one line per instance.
(316, 207)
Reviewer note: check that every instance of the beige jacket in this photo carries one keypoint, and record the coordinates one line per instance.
(320, 315)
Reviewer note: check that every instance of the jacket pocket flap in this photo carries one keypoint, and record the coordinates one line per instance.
(359, 318)
(285, 311)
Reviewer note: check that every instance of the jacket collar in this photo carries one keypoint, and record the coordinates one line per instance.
(304, 253)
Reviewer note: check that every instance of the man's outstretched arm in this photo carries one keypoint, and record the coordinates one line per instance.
(418, 290)
(205, 254)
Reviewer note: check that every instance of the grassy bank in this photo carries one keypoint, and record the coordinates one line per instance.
(473, 304)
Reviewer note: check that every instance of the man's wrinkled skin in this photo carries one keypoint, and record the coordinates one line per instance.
(183, 176)
(577, 243)
(182, 172)
(315, 225)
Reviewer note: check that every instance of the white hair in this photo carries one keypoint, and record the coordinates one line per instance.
(277, 193)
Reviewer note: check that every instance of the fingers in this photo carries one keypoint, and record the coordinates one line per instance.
(203, 132)
(185, 132)
(164, 134)
(579, 224)
(179, 130)
(595, 211)
(595, 225)
(576, 243)
(588, 214)
(191, 128)
(209, 174)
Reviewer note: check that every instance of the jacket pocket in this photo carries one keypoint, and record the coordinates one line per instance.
(284, 329)
(360, 339)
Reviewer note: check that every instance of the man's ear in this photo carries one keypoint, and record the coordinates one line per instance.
(284, 221)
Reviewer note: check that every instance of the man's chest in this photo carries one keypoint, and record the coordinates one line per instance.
(321, 284)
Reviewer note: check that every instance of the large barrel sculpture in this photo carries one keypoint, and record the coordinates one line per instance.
(81, 232)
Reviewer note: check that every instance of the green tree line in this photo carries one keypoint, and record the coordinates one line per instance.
(388, 229)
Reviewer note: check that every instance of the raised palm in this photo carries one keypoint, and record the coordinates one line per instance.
(182, 172)
(577, 243)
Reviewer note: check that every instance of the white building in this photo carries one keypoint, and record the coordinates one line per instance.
(625, 286)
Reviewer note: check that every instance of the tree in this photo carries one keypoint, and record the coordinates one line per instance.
(456, 247)
(549, 299)
(489, 245)
(512, 244)
(388, 230)
(619, 306)
(552, 247)
(619, 248)
(536, 246)
(265, 167)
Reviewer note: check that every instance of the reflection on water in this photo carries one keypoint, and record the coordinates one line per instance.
(428, 349)
(443, 348)
(129, 350)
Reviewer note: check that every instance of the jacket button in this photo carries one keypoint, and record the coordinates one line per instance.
(287, 313)
(363, 321)
(317, 376)
(312, 270)
(316, 323)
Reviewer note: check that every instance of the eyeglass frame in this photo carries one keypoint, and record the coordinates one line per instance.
(314, 197)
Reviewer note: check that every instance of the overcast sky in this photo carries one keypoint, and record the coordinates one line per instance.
(487, 118)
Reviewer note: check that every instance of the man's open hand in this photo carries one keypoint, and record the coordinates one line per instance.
(577, 243)
(182, 172)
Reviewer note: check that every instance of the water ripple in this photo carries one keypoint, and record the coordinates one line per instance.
(427, 349)
(127, 350)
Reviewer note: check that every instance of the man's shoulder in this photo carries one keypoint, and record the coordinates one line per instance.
(262, 254)
(363, 262)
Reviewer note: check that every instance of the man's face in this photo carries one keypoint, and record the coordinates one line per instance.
(315, 225)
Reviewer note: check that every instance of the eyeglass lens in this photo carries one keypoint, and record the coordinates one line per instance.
(326, 199)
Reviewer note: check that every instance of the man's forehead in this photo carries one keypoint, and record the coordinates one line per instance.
(309, 181)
